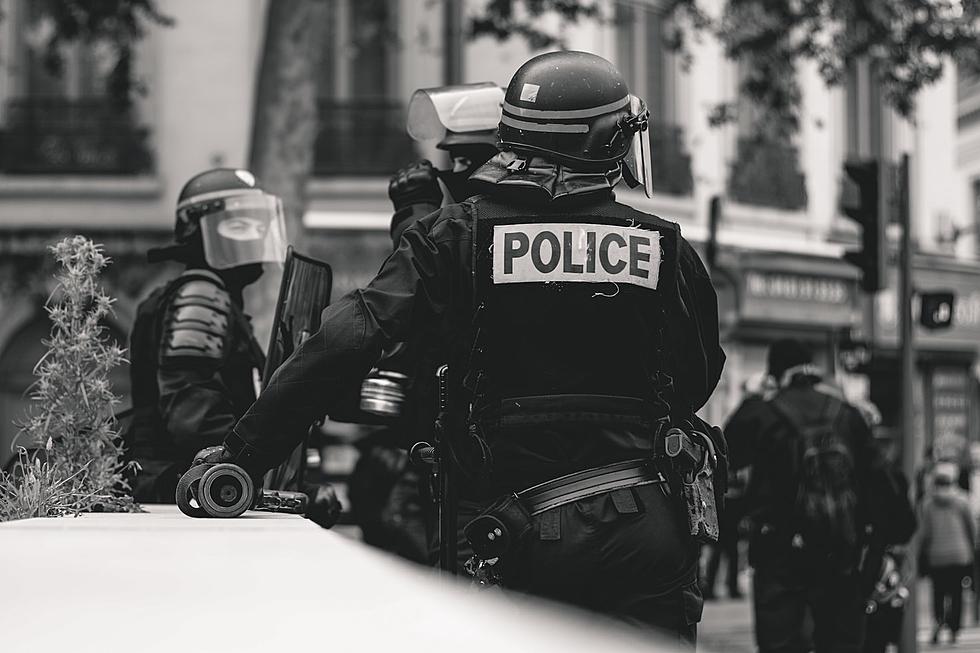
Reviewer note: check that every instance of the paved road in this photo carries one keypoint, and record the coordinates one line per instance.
(727, 626)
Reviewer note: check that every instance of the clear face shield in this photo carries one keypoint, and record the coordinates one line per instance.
(249, 229)
(433, 112)
(637, 165)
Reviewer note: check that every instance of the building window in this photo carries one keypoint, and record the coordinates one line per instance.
(650, 71)
(362, 121)
(766, 170)
(65, 123)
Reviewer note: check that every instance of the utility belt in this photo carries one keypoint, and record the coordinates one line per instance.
(494, 532)
(684, 463)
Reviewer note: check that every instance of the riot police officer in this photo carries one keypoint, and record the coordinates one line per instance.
(576, 328)
(384, 488)
(194, 358)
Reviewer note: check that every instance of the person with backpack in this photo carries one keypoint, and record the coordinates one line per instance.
(946, 546)
(810, 452)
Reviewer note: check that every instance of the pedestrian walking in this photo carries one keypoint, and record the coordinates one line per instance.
(808, 450)
(947, 544)
(581, 337)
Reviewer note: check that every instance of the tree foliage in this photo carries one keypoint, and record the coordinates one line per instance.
(907, 43)
(118, 23)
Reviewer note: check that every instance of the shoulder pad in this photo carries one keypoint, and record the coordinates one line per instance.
(197, 320)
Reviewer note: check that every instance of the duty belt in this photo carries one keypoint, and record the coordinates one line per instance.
(589, 482)
(507, 520)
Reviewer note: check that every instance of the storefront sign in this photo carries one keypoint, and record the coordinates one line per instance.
(805, 299)
(963, 334)
(950, 401)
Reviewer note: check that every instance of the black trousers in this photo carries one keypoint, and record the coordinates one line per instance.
(625, 554)
(785, 592)
(947, 583)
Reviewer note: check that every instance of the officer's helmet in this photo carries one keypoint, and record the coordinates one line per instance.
(237, 222)
(572, 107)
(204, 193)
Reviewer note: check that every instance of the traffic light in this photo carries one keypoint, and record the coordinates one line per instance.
(937, 309)
(860, 202)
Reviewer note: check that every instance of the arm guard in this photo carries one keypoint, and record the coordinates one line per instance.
(196, 323)
(193, 399)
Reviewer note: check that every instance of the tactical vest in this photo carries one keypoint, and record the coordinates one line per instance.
(147, 437)
(569, 308)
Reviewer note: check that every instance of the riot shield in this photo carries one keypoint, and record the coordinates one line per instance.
(303, 294)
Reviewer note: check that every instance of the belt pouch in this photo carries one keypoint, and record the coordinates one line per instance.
(498, 528)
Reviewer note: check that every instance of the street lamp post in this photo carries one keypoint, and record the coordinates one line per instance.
(910, 448)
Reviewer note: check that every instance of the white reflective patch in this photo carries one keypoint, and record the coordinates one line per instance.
(587, 253)
(529, 93)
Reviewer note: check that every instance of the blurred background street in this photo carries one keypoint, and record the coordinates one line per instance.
(727, 626)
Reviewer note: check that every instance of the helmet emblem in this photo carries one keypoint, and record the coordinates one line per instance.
(529, 93)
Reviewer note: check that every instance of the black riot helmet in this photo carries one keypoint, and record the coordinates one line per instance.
(224, 217)
(571, 107)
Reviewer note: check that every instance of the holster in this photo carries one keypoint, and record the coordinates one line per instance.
(496, 530)
(693, 460)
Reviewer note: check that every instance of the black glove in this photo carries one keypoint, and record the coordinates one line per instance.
(213, 456)
(415, 184)
(324, 508)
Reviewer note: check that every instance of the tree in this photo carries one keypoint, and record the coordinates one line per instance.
(906, 42)
(285, 122)
(118, 23)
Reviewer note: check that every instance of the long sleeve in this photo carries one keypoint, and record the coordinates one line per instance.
(415, 284)
(699, 359)
(192, 399)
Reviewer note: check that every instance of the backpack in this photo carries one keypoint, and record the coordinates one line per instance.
(826, 504)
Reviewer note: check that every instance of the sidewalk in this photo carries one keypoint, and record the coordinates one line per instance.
(727, 625)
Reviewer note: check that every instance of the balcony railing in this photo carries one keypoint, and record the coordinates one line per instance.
(767, 173)
(361, 138)
(57, 136)
(671, 163)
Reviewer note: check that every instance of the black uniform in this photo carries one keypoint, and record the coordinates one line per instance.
(193, 361)
(559, 376)
(790, 580)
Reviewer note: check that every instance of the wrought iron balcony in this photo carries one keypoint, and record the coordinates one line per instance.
(361, 137)
(671, 163)
(767, 173)
(56, 136)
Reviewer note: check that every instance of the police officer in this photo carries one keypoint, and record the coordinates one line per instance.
(573, 325)
(194, 354)
(383, 488)
(464, 118)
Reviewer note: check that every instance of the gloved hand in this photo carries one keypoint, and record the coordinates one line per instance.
(213, 455)
(324, 508)
(415, 184)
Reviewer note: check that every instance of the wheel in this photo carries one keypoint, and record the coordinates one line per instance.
(226, 491)
(187, 489)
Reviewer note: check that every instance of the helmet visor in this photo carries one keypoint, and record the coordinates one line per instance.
(248, 229)
(464, 108)
(638, 161)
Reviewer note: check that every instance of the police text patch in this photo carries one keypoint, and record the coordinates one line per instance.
(589, 253)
